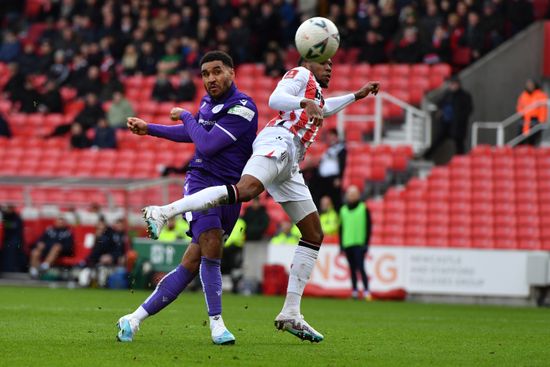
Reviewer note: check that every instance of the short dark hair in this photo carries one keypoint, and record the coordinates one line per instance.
(217, 56)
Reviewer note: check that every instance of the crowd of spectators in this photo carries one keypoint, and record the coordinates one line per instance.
(90, 46)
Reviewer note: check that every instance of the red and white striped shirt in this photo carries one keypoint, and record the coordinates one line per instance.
(297, 84)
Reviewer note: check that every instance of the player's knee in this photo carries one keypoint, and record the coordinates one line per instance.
(315, 237)
(249, 189)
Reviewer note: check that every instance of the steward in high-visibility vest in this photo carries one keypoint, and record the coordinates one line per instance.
(355, 230)
(238, 234)
(175, 230)
(288, 235)
(330, 221)
(232, 260)
(532, 115)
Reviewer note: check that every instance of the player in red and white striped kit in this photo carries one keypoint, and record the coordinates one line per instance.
(277, 152)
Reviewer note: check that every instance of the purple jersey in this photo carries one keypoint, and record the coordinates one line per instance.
(223, 132)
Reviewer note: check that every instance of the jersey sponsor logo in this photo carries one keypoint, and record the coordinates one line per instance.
(243, 102)
(242, 111)
(217, 108)
(206, 122)
(291, 74)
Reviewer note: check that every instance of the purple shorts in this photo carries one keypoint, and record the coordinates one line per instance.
(223, 217)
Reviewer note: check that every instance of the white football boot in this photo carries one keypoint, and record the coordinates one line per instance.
(220, 334)
(127, 328)
(155, 219)
(297, 326)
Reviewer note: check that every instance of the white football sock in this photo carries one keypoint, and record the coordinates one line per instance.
(300, 271)
(202, 200)
(139, 314)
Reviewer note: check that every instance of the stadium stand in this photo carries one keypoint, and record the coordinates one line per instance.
(27, 155)
(492, 198)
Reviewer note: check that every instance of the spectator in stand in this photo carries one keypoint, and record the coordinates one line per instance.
(331, 169)
(90, 84)
(91, 113)
(10, 47)
(519, 14)
(87, 118)
(493, 26)
(11, 251)
(239, 38)
(130, 60)
(163, 90)
(330, 222)
(147, 61)
(274, 66)
(119, 111)
(59, 71)
(428, 23)
(15, 85)
(171, 59)
(104, 136)
(532, 114)
(108, 252)
(288, 234)
(439, 48)
(256, 219)
(56, 241)
(27, 60)
(355, 231)
(45, 57)
(50, 99)
(473, 37)
(79, 139)
(5, 130)
(455, 107)
(408, 49)
(186, 89)
(373, 52)
(29, 98)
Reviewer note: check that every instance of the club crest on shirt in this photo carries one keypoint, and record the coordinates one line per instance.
(217, 108)
(243, 101)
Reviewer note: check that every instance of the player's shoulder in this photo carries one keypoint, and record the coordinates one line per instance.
(242, 105)
(242, 99)
(296, 73)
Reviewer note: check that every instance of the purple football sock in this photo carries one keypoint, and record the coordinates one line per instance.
(168, 289)
(211, 279)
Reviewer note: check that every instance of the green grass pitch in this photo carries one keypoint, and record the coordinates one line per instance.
(63, 327)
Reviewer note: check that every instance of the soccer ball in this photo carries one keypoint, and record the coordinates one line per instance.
(317, 39)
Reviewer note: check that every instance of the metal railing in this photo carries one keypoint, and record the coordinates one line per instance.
(506, 132)
(414, 131)
(134, 191)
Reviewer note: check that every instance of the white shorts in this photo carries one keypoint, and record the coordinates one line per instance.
(283, 180)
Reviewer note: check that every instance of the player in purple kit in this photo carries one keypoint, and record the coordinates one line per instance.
(223, 132)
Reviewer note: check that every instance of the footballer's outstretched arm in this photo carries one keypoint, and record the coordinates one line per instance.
(175, 133)
(211, 142)
(336, 104)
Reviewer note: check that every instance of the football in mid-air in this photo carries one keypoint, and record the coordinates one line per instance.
(317, 39)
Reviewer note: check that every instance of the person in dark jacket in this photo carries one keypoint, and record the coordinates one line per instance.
(5, 130)
(12, 256)
(56, 241)
(79, 140)
(455, 108)
(105, 135)
(331, 169)
(257, 220)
